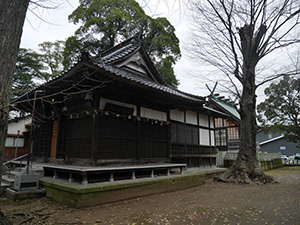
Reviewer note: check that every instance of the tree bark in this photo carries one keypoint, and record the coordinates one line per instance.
(12, 16)
(4, 220)
(246, 168)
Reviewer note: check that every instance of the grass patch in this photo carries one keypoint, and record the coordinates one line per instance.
(290, 168)
(6, 202)
(284, 169)
(18, 202)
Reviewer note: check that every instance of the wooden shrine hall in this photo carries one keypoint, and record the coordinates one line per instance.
(116, 108)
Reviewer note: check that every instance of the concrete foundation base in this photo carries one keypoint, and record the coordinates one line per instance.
(3, 186)
(79, 196)
(24, 194)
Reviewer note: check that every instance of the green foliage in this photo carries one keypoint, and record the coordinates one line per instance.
(32, 67)
(28, 67)
(111, 20)
(53, 56)
(165, 68)
(108, 22)
(281, 109)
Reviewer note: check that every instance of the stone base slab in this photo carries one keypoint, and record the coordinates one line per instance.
(79, 196)
(24, 194)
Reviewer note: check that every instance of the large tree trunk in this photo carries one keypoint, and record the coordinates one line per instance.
(12, 16)
(4, 220)
(246, 168)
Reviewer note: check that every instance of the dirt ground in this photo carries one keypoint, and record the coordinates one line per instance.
(212, 203)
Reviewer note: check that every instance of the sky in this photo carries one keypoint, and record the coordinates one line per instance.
(55, 26)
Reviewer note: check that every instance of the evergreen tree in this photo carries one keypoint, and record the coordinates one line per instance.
(280, 112)
(28, 67)
(108, 22)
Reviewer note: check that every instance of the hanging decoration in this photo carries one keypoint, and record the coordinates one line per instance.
(93, 113)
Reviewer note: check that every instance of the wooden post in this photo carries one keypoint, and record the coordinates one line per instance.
(209, 135)
(138, 133)
(95, 138)
(185, 145)
(133, 175)
(95, 130)
(84, 178)
(111, 179)
(67, 157)
(152, 173)
(169, 135)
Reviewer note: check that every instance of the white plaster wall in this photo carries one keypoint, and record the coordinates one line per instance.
(212, 136)
(204, 137)
(203, 120)
(191, 117)
(9, 142)
(177, 115)
(153, 114)
(212, 122)
(103, 101)
(20, 125)
(12, 142)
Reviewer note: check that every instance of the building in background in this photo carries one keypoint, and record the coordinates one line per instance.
(16, 143)
(274, 143)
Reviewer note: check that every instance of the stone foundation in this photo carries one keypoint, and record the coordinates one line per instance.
(79, 196)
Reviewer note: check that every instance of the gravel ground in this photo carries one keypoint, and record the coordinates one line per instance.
(212, 203)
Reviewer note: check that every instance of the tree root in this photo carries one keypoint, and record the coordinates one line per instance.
(4, 220)
(243, 176)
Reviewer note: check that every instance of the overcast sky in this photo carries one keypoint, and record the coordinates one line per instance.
(56, 27)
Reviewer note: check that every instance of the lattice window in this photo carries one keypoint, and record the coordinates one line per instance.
(220, 137)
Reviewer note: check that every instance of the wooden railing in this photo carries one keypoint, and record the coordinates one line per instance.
(180, 150)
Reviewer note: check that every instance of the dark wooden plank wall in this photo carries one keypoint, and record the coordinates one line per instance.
(62, 140)
(117, 139)
(80, 142)
(42, 140)
(186, 148)
(154, 141)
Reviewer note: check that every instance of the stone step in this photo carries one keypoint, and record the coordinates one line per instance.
(13, 173)
(3, 186)
(8, 180)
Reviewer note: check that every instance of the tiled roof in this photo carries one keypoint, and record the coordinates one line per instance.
(154, 85)
(227, 107)
(123, 51)
(106, 59)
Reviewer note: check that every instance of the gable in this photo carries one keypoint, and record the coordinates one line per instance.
(130, 56)
(136, 64)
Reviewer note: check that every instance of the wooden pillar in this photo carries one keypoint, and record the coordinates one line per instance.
(95, 130)
(209, 135)
(54, 138)
(138, 133)
(198, 126)
(185, 145)
(67, 157)
(95, 138)
(169, 136)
